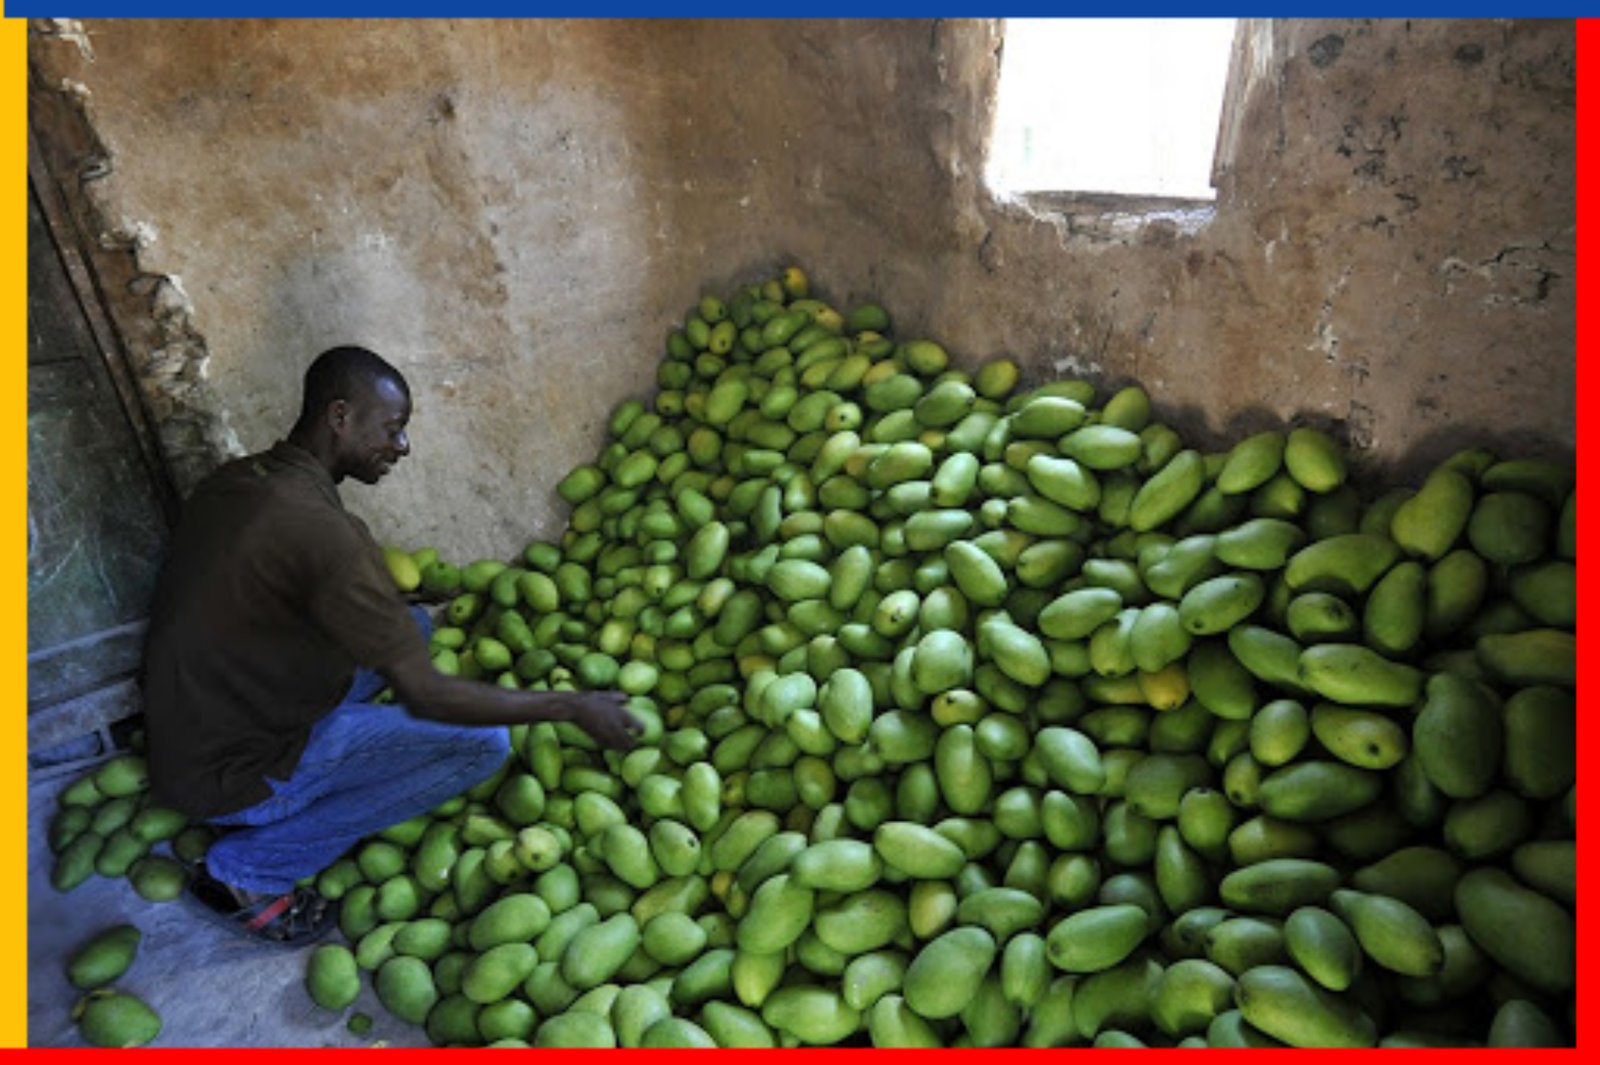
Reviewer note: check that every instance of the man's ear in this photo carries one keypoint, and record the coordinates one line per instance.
(338, 415)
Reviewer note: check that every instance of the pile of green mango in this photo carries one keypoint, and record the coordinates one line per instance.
(106, 824)
(105, 1015)
(983, 715)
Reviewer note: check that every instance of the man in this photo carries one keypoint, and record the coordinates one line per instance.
(275, 622)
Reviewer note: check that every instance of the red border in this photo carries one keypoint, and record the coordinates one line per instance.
(1588, 327)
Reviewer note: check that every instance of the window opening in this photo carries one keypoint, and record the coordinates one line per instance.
(1109, 107)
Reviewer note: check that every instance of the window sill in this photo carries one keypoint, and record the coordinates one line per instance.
(1115, 219)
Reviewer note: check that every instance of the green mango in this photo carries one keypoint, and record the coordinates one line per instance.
(109, 1018)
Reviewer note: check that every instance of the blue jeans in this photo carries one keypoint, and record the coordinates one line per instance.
(366, 766)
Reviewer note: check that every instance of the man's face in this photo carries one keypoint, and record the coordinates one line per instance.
(371, 430)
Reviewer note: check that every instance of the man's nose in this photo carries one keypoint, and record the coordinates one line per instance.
(402, 444)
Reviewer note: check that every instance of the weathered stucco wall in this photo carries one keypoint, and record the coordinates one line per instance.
(1391, 253)
(516, 212)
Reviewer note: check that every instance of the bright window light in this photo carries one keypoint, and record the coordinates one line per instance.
(1119, 106)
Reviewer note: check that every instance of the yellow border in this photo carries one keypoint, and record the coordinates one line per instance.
(13, 544)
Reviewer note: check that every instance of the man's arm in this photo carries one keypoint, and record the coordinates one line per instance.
(427, 693)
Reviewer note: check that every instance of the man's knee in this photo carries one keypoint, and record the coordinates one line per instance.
(490, 745)
(481, 753)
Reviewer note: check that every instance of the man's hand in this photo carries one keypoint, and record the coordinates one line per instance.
(604, 716)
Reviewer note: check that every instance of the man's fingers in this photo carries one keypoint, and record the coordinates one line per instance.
(614, 724)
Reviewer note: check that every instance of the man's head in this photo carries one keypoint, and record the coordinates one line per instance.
(353, 413)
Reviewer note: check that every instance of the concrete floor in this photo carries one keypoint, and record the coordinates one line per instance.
(212, 989)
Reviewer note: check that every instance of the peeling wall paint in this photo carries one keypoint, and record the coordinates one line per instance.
(517, 212)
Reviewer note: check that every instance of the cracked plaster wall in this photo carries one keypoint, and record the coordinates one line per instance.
(516, 212)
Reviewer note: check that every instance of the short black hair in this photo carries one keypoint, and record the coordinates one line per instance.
(344, 373)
